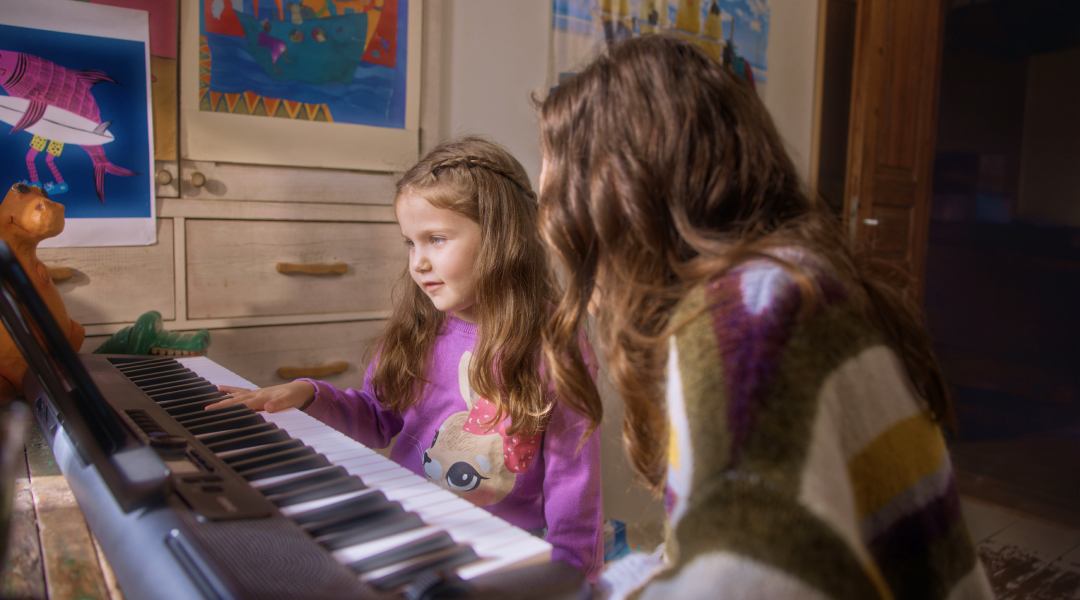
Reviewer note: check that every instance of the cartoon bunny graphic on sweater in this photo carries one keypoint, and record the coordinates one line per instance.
(473, 457)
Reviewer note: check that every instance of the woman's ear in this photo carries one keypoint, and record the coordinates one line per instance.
(463, 379)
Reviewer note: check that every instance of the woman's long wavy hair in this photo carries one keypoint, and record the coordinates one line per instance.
(515, 286)
(663, 170)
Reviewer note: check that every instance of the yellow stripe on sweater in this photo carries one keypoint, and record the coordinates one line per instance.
(894, 462)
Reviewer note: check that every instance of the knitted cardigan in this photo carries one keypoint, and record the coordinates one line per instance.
(802, 464)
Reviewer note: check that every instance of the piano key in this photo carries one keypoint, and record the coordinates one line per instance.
(532, 550)
(440, 512)
(373, 529)
(239, 454)
(397, 575)
(225, 424)
(320, 489)
(292, 465)
(424, 545)
(347, 514)
(215, 414)
(362, 551)
(302, 480)
(248, 441)
(353, 504)
(298, 511)
(269, 481)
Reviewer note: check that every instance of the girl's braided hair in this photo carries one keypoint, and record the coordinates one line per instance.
(515, 286)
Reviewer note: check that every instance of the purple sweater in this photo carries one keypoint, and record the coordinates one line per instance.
(531, 482)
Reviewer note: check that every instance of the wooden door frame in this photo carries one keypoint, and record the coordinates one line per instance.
(869, 70)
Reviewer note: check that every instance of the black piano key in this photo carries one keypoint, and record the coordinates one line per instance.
(202, 391)
(295, 483)
(188, 398)
(159, 380)
(420, 547)
(214, 438)
(270, 459)
(377, 528)
(322, 489)
(155, 390)
(226, 424)
(262, 449)
(353, 505)
(214, 414)
(360, 516)
(148, 373)
(260, 436)
(192, 407)
(303, 463)
(448, 558)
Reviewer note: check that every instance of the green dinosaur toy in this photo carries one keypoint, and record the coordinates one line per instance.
(147, 337)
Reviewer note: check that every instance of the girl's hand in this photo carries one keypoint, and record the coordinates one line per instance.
(271, 399)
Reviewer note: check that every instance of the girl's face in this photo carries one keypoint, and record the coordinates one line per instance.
(443, 248)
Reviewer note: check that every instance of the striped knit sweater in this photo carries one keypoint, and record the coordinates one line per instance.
(801, 463)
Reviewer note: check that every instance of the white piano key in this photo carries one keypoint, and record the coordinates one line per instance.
(530, 551)
(269, 481)
(426, 499)
(303, 507)
(367, 549)
(500, 544)
(373, 479)
(404, 481)
(348, 454)
(366, 465)
(407, 491)
(337, 445)
(460, 515)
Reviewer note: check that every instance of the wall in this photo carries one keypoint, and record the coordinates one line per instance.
(482, 61)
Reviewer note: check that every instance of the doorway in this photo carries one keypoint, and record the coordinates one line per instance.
(1002, 283)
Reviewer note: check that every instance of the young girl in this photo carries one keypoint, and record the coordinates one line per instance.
(458, 376)
(788, 399)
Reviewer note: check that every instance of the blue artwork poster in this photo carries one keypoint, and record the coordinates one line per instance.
(75, 116)
(734, 32)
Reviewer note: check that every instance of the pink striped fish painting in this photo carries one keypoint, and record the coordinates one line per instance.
(58, 107)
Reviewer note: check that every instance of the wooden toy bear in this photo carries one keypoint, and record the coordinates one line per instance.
(27, 216)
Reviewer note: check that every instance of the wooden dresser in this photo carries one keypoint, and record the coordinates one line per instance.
(221, 238)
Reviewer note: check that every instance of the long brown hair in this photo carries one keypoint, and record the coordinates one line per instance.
(515, 286)
(663, 170)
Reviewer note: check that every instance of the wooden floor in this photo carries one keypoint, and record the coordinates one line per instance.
(1026, 557)
(1022, 504)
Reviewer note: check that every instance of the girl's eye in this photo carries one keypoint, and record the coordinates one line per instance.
(408, 244)
(462, 477)
(437, 240)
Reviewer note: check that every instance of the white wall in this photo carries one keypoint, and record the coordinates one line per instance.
(482, 61)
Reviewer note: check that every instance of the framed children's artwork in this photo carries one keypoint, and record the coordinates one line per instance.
(75, 116)
(735, 33)
(318, 83)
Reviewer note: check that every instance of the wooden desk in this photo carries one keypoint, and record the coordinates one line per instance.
(51, 553)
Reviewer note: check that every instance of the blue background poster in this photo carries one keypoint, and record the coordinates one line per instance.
(58, 42)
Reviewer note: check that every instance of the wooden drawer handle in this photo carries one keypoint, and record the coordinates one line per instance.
(313, 268)
(312, 372)
(60, 273)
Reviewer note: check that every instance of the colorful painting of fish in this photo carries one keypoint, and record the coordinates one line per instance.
(74, 112)
(57, 106)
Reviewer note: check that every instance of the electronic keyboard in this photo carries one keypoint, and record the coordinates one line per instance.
(236, 504)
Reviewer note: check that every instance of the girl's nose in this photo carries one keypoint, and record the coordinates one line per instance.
(420, 262)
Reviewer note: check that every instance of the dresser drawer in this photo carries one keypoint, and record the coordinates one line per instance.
(256, 353)
(117, 284)
(233, 267)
